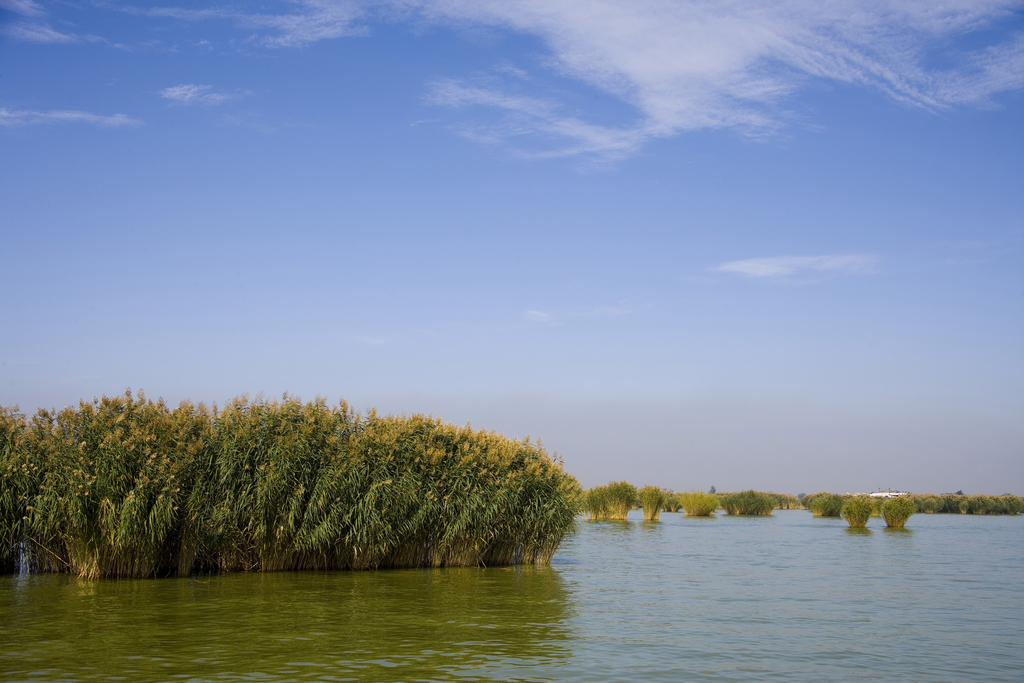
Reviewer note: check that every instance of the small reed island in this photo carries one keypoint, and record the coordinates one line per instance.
(128, 487)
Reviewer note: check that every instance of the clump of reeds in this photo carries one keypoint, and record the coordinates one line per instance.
(994, 505)
(595, 503)
(928, 504)
(896, 511)
(125, 486)
(651, 499)
(786, 501)
(698, 503)
(613, 501)
(754, 503)
(671, 503)
(825, 504)
(19, 475)
(856, 510)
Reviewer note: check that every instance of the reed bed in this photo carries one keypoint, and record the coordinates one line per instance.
(698, 503)
(786, 501)
(125, 486)
(671, 503)
(751, 503)
(652, 499)
(896, 511)
(824, 504)
(951, 503)
(613, 501)
(856, 510)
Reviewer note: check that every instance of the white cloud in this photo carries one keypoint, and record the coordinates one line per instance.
(708, 64)
(27, 117)
(24, 7)
(528, 115)
(685, 65)
(193, 94)
(781, 266)
(313, 20)
(36, 33)
(309, 21)
(539, 316)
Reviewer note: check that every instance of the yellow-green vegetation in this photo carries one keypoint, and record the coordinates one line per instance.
(126, 486)
(748, 502)
(652, 499)
(698, 503)
(896, 511)
(970, 505)
(825, 504)
(671, 503)
(856, 510)
(18, 478)
(786, 501)
(613, 501)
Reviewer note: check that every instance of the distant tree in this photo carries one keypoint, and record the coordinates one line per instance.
(712, 490)
(960, 492)
(800, 496)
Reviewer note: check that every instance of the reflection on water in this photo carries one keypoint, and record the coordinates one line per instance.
(788, 597)
(392, 625)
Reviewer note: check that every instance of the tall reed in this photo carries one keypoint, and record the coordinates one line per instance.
(856, 510)
(651, 498)
(613, 501)
(19, 475)
(698, 503)
(671, 503)
(786, 501)
(125, 486)
(826, 504)
(755, 503)
(896, 511)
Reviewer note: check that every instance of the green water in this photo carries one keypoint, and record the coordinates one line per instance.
(788, 597)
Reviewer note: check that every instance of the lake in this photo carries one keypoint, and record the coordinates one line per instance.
(787, 597)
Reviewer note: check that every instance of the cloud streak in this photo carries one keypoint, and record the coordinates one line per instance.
(542, 317)
(680, 65)
(191, 94)
(36, 33)
(783, 266)
(27, 117)
(24, 7)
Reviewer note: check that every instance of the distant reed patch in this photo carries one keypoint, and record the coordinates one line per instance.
(750, 503)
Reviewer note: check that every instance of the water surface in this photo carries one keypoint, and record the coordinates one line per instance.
(788, 597)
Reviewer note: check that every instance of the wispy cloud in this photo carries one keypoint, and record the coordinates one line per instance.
(309, 20)
(545, 317)
(24, 7)
(36, 33)
(681, 65)
(189, 94)
(698, 65)
(529, 115)
(782, 266)
(27, 117)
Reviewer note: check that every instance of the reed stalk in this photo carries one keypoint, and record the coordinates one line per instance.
(671, 503)
(750, 503)
(896, 511)
(826, 504)
(652, 499)
(856, 510)
(786, 501)
(698, 503)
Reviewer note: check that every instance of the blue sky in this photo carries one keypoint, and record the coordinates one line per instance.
(686, 243)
